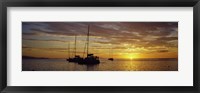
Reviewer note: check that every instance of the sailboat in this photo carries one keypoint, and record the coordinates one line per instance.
(111, 59)
(69, 59)
(90, 59)
(110, 53)
(76, 58)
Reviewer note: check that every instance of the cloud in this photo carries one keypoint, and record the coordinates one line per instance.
(48, 40)
(139, 34)
(163, 51)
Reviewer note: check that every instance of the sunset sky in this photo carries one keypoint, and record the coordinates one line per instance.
(126, 40)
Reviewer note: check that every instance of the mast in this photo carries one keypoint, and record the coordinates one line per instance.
(111, 52)
(69, 49)
(84, 50)
(75, 47)
(88, 40)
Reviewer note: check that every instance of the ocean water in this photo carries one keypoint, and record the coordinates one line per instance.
(105, 65)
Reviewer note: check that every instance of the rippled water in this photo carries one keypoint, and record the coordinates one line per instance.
(105, 65)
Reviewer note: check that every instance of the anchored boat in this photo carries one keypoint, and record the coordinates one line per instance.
(90, 59)
(76, 58)
(111, 55)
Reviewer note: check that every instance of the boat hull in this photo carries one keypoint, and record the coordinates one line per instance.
(89, 61)
(75, 59)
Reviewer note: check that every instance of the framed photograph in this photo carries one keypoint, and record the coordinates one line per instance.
(100, 46)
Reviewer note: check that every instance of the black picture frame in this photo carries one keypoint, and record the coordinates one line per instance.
(98, 3)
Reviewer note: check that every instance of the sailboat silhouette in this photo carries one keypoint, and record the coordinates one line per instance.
(76, 58)
(111, 55)
(90, 59)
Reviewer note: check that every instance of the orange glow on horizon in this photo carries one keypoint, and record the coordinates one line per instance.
(64, 54)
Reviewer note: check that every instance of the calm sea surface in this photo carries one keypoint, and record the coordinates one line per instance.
(105, 65)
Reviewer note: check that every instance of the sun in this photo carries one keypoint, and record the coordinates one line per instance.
(130, 56)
